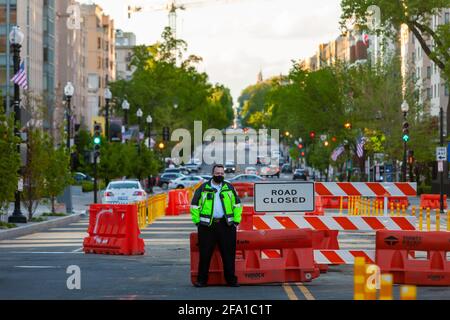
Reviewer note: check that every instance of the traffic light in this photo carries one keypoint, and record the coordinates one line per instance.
(301, 148)
(348, 125)
(405, 135)
(166, 134)
(326, 143)
(410, 156)
(97, 138)
(312, 134)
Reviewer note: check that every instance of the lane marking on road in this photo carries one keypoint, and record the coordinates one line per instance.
(167, 232)
(78, 250)
(38, 267)
(308, 295)
(46, 245)
(43, 252)
(289, 291)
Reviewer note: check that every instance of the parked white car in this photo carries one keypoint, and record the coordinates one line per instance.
(124, 192)
(185, 182)
(251, 170)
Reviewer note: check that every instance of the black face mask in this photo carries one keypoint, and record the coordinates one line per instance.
(218, 179)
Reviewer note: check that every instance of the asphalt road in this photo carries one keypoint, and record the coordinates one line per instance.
(34, 267)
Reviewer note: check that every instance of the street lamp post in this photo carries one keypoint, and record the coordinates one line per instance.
(69, 91)
(405, 109)
(149, 128)
(125, 108)
(441, 173)
(108, 97)
(16, 39)
(149, 124)
(139, 115)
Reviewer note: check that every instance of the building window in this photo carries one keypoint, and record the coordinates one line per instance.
(99, 43)
(446, 90)
(99, 62)
(429, 93)
(447, 17)
(429, 72)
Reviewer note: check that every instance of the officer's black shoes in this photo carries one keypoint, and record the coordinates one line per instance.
(200, 284)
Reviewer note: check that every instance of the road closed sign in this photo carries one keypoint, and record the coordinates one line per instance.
(284, 197)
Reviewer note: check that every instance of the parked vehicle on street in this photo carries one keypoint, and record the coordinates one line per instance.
(286, 168)
(270, 171)
(181, 170)
(250, 170)
(167, 178)
(185, 182)
(79, 177)
(124, 192)
(230, 167)
(192, 167)
(300, 174)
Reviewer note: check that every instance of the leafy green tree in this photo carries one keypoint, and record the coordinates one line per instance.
(83, 145)
(35, 169)
(145, 164)
(57, 175)
(417, 16)
(169, 88)
(9, 161)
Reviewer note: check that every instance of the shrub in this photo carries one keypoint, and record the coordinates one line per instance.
(54, 214)
(6, 225)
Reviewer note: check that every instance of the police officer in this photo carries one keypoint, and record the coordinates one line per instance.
(216, 210)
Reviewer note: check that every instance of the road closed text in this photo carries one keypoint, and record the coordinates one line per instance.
(284, 196)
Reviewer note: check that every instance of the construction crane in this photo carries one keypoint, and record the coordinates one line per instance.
(172, 6)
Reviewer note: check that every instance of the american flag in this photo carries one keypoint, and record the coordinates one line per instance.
(20, 77)
(360, 146)
(337, 152)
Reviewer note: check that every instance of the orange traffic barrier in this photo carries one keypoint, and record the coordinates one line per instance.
(397, 253)
(244, 189)
(113, 229)
(294, 264)
(178, 202)
(319, 210)
(432, 201)
(335, 202)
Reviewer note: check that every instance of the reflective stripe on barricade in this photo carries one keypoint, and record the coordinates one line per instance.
(366, 189)
(268, 222)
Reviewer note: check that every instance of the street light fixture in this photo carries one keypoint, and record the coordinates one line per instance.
(149, 121)
(139, 115)
(125, 108)
(69, 91)
(149, 124)
(16, 38)
(108, 97)
(405, 108)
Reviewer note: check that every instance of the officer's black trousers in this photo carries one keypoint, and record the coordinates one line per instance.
(208, 237)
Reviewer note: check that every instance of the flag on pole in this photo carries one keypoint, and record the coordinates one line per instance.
(360, 146)
(20, 78)
(365, 38)
(337, 152)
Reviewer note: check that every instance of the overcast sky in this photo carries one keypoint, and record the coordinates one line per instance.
(237, 38)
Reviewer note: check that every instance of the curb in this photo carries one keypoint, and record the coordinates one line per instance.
(41, 226)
